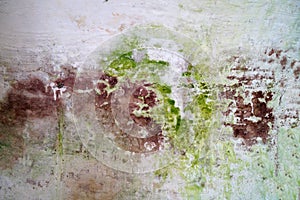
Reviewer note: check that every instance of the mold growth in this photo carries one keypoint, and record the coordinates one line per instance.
(150, 97)
(185, 110)
(153, 97)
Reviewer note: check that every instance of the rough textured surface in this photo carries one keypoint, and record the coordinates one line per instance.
(242, 89)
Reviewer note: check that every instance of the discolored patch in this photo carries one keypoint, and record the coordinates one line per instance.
(253, 90)
(297, 71)
(252, 119)
(140, 145)
(66, 78)
(140, 101)
(28, 100)
(248, 104)
(11, 146)
(103, 97)
(91, 182)
(287, 80)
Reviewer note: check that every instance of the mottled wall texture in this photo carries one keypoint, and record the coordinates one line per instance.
(165, 99)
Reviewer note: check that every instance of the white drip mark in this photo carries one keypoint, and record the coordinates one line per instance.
(149, 145)
(55, 89)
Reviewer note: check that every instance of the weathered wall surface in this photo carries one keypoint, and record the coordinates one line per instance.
(211, 88)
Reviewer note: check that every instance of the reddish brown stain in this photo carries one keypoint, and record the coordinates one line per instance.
(278, 53)
(245, 127)
(30, 98)
(240, 68)
(282, 59)
(68, 80)
(248, 129)
(140, 95)
(103, 99)
(283, 62)
(270, 52)
(139, 145)
(247, 80)
(297, 72)
(273, 51)
(252, 119)
(35, 183)
(228, 93)
(293, 63)
(27, 99)
(91, 182)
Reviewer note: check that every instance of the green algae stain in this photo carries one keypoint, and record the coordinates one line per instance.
(158, 63)
(163, 89)
(197, 162)
(172, 113)
(180, 6)
(162, 174)
(204, 106)
(61, 124)
(193, 190)
(204, 159)
(187, 73)
(124, 64)
(119, 66)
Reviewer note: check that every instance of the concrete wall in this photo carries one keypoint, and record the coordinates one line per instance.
(239, 134)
